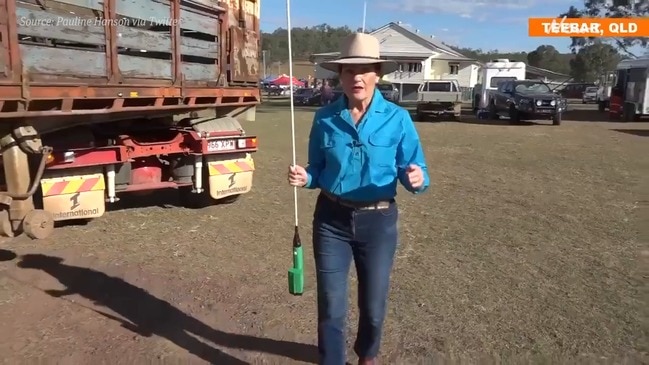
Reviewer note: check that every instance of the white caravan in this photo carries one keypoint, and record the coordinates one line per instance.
(493, 73)
(630, 94)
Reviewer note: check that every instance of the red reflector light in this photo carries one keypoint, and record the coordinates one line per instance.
(251, 142)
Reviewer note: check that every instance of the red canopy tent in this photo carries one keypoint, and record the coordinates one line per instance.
(285, 80)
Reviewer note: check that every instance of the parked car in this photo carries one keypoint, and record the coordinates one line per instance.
(389, 91)
(274, 90)
(307, 96)
(575, 90)
(439, 98)
(526, 99)
(590, 95)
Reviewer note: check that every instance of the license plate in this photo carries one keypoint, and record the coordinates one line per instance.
(221, 145)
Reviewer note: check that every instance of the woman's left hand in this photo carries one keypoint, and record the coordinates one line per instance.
(415, 176)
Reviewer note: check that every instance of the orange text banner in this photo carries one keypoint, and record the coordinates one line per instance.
(588, 27)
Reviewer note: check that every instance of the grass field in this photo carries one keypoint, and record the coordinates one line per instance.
(528, 246)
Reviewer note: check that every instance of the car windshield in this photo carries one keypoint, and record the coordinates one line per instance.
(532, 87)
(591, 89)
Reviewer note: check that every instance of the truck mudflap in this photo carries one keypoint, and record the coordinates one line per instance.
(74, 197)
(229, 177)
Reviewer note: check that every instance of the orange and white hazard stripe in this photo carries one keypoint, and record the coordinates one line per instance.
(72, 184)
(231, 167)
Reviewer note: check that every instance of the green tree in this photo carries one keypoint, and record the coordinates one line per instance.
(305, 41)
(593, 60)
(546, 56)
(325, 38)
(611, 9)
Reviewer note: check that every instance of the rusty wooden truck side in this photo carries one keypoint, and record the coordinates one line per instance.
(103, 97)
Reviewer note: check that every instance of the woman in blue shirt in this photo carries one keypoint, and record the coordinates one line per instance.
(359, 147)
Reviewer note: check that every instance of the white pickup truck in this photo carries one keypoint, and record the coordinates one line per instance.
(439, 97)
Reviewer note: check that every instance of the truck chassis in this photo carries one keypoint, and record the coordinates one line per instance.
(114, 100)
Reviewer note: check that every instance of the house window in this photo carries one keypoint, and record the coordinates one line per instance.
(410, 67)
(454, 68)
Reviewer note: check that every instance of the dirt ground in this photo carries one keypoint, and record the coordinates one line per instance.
(527, 247)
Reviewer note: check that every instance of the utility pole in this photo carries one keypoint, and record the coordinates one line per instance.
(364, 14)
(263, 62)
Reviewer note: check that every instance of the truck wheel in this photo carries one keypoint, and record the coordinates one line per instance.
(493, 114)
(628, 113)
(191, 200)
(229, 199)
(201, 200)
(556, 119)
(38, 224)
(514, 116)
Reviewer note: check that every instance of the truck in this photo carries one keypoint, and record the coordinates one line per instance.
(604, 84)
(99, 99)
(630, 93)
(526, 99)
(492, 74)
(439, 97)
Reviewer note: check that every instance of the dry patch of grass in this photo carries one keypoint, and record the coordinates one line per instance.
(526, 246)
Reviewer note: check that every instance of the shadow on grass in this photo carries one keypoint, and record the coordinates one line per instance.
(147, 315)
(634, 132)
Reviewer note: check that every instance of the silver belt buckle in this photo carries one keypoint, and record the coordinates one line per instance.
(376, 206)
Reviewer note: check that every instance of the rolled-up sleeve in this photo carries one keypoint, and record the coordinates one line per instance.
(410, 152)
(316, 158)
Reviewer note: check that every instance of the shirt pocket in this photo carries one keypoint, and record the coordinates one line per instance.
(383, 149)
(332, 145)
(328, 140)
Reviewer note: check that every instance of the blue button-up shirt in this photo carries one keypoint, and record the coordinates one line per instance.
(363, 162)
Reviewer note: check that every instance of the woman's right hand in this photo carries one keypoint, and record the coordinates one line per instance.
(297, 176)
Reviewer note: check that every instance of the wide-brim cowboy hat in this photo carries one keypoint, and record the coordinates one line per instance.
(360, 49)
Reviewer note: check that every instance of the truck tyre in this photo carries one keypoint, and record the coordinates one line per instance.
(201, 200)
(514, 115)
(556, 119)
(493, 114)
(628, 113)
(38, 224)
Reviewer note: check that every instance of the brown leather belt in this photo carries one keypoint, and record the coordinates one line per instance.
(382, 204)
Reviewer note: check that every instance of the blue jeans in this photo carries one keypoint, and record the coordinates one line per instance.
(369, 237)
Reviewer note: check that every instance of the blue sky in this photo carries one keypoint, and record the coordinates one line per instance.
(486, 24)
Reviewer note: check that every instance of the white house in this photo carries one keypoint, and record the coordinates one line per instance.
(419, 57)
